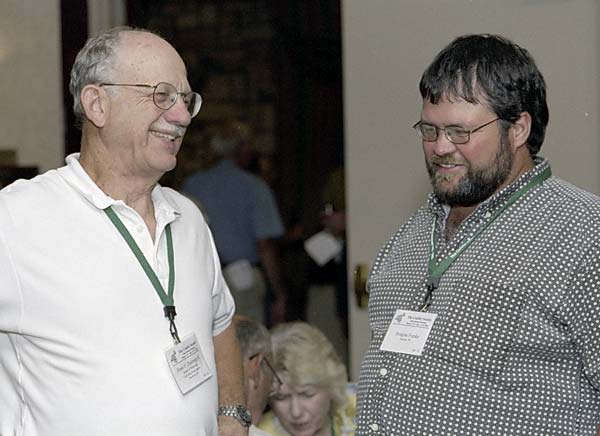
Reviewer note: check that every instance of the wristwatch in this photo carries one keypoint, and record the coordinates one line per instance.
(238, 412)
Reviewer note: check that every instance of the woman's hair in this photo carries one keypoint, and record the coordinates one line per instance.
(304, 356)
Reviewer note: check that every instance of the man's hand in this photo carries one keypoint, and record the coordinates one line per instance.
(229, 426)
(335, 222)
(269, 258)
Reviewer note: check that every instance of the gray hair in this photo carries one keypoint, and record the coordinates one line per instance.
(304, 356)
(253, 337)
(224, 146)
(228, 137)
(95, 63)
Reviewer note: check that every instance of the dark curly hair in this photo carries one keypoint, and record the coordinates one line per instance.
(490, 69)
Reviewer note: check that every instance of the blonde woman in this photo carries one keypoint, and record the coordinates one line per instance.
(314, 397)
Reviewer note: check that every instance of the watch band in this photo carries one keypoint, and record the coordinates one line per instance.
(238, 412)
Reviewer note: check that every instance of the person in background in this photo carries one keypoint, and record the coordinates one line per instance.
(333, 219)
(259, 374)
(484, 307)
(245, 222)
(110, 285)
(314, 398)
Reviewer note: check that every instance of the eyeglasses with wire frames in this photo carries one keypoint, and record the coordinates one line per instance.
(277, 382)
(454, 134)
(164, 96)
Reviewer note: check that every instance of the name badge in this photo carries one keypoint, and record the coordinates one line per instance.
(187, 364)
(408, 332)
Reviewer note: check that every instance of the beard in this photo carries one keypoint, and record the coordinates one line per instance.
(478, 184)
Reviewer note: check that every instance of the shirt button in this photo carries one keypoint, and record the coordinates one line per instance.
(383, 371)
(374, 427)
(487, 215)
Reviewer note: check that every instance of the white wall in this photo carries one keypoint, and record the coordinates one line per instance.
(31, 113)
(386, 46)
(104, 14)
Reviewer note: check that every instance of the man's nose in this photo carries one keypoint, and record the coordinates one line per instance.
(442, 145)
(179, 113)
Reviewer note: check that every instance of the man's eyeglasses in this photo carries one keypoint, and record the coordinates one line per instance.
(276, 379)
(165, 96)
(456, 135)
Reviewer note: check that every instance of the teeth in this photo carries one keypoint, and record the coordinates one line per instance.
(164, 135)
(447, 165)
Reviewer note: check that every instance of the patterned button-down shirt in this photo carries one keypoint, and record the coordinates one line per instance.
(515, 347)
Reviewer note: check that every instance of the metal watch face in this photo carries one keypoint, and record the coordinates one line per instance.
(245, 416)
(238, 412)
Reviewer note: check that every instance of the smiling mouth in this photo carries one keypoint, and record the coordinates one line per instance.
(447, 166)
(168, 136)
(446, 162)
(444, 170)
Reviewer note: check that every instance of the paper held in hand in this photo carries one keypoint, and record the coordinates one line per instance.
(322, 247)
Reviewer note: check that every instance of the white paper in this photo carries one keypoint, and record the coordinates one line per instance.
(408, 332)
(322, 247)
(187, 364)
(239, 275)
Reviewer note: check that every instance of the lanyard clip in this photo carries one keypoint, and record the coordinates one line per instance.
(171, 314)
(433, 284)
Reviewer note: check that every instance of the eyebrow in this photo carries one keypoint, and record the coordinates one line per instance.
(428, 123)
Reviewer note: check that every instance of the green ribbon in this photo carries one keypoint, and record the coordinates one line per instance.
(436, 270)
(165, 297)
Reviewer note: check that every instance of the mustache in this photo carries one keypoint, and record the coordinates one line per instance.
(177, 131)
(445, 160)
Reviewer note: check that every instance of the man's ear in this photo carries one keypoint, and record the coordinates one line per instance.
(95, 103)
(519, 131)
(253, 367)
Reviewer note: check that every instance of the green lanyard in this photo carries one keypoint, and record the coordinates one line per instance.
(436, 270)
(166, 298)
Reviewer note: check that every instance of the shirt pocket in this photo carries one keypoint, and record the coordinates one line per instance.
(476, 324)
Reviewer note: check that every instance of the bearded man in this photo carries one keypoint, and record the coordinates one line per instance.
(485, 306)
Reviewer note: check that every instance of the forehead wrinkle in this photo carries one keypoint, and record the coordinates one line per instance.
(146, 58)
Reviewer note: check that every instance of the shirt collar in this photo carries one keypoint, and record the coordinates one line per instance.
(74, 174)
(496, 201)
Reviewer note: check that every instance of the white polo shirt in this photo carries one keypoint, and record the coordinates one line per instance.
(82, 330)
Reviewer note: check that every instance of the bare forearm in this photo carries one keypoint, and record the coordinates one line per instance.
(267, 251)
(229, 367)
(230, 377)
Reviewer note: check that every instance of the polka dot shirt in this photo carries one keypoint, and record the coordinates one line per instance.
(515, 347)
